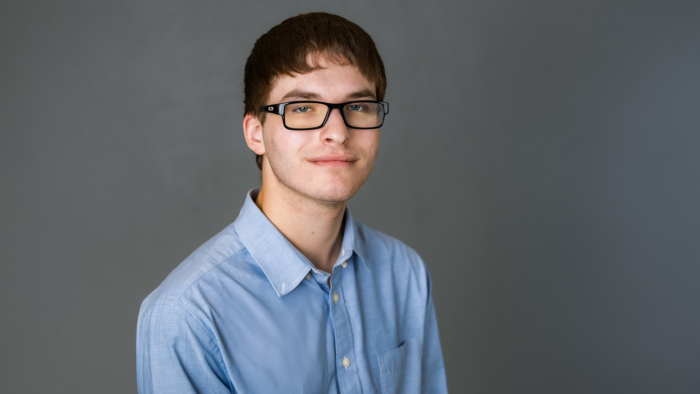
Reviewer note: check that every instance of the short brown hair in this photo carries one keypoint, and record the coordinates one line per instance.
(283, 51)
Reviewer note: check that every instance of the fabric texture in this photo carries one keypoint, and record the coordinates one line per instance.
(248, 313)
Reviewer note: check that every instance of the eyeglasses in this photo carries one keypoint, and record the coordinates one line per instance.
(310, 115)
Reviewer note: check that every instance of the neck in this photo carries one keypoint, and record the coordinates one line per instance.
(314, 228)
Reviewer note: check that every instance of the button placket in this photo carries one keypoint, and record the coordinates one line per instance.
(347, 374)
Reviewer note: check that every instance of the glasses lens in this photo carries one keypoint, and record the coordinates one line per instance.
(304, 115)
(364, 115)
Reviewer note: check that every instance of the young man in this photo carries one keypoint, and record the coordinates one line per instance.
(295, 296)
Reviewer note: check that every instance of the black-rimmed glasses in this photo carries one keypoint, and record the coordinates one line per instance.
(310, 115)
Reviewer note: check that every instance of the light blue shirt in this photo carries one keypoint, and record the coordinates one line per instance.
(248, 313)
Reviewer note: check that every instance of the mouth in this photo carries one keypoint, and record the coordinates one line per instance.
(336, 161)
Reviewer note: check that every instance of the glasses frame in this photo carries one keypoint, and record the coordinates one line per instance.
(278, 109)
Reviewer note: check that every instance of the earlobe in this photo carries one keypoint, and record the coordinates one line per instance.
(252, 128)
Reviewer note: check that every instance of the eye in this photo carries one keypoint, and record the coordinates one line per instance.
(302, 109)
(356, 107)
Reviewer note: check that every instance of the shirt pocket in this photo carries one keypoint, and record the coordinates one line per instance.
(400, 368)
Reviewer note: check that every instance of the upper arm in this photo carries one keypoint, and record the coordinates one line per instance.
(433, 368)
(175, 353)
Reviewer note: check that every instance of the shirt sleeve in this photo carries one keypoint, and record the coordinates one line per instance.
(433, 368)
(176, 354)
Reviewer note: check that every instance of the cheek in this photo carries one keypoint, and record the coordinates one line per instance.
(368, 142)
(286, 144)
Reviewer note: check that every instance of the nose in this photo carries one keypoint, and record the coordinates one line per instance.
(335, 131)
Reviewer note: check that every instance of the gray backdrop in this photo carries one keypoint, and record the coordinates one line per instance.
(541, 156)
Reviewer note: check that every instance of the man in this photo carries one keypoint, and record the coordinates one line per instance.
(296, 296)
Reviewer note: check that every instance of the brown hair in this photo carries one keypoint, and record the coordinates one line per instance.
(283, 51)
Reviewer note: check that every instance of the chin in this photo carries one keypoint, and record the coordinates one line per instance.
(332, 193)
(327, 186)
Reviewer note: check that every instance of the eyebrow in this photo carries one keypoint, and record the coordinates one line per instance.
(362, 94)
(306, 95)
(302, 94)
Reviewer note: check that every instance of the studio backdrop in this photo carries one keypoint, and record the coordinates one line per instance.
(541, 156)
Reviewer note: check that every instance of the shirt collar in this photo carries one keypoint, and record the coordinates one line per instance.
(284, 266)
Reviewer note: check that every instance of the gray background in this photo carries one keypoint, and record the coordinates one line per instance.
(541, 156)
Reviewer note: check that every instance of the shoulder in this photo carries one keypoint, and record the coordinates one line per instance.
(389, 256)
(380, 245)
(197, 271)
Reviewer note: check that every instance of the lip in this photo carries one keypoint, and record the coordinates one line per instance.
(333, 160)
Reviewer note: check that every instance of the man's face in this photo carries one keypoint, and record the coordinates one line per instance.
(328, 164)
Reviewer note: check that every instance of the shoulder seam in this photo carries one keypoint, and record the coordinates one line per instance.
(191, 316)
(208, 271)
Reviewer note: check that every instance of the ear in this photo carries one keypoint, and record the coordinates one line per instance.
(253, 134)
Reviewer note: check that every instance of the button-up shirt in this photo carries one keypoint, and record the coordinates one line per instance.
(248, 313)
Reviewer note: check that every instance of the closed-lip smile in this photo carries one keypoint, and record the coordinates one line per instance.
(333, 160)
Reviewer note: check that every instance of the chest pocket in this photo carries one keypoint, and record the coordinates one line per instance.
(400, 368)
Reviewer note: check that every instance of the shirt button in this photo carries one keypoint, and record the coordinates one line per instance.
(345, 264)
(346, 362)
(308, 276)
(335, 299)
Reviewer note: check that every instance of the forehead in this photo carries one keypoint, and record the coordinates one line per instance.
(332, 83)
